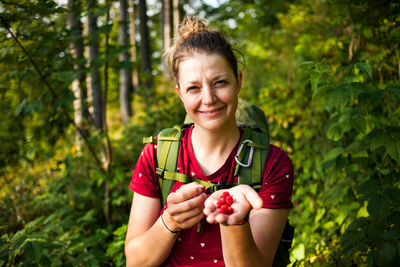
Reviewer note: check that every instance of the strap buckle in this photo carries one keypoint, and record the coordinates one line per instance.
(216, 187)
(160, 172)
(250, 156)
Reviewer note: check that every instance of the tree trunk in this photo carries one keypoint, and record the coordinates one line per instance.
(106, 148)
(125, 83)
(175, 17)
(135, 76)
(94, 84)
(166, 33)
(78, 85)
(96, 105)
(145, 52)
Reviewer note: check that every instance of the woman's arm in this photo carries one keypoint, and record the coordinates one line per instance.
(144, 228)
(253, 243)
(148, 241)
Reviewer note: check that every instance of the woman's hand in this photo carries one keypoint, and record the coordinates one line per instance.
(244, 198)
(185, 207)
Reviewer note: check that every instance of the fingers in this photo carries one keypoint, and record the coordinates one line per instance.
(209, 204)
(192, 205)
(253, 198)
(183, 220)
(185, 192)
(185, 206)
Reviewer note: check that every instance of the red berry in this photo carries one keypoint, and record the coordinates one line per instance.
(220, 202)
(229, 200)
(229, 210)
(224, 203)
(225, 194)
(223, 209)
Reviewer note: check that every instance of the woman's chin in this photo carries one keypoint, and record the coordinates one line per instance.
(214, 124)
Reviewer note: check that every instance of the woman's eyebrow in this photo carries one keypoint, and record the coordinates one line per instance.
(219, 76)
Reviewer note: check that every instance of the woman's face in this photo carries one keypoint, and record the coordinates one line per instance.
(209, 90)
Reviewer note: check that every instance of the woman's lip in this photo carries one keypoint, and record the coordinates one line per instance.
(211, 113)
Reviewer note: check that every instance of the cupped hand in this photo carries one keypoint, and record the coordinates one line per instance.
(244, 199)
(185, 206)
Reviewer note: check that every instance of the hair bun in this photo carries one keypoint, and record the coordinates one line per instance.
(190, 25)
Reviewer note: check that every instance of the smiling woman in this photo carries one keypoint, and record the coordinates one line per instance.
(209, 89)
(208, 83)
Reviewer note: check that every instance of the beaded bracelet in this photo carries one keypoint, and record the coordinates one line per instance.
(173, 232)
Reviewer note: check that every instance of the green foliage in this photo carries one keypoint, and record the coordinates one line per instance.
(367, 138)
(327, 75)
(325, 72)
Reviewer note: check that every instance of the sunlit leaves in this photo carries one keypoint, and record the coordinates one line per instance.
(366, 68)
(359, 116)
(334, 153)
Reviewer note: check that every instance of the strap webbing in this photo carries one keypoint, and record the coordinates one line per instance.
(254, 173)
(168, 142)
(246, 135)
(167, 156)
(176, 176)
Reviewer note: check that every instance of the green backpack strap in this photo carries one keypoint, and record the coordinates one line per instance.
(251, 157)
(254, 148)
(168, 142)
(255, 154)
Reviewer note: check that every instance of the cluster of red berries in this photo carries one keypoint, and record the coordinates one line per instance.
(224, 203)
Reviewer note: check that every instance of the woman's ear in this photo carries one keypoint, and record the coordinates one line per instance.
(239, 80)
(178, 91)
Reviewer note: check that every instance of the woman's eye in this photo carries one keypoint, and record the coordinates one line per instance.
(191, 88)
(220, 82)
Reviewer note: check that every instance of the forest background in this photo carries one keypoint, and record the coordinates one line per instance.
(82, 82)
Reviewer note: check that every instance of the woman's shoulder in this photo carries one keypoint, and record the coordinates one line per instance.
(278, 157)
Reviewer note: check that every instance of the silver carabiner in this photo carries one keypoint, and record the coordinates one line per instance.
(240, 150)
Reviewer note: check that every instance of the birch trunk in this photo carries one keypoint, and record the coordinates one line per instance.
(175, 17)
(166, 33)
(78, 84)
(135, 76)
(125, 83)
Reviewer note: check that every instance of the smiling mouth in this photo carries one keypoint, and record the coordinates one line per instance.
(211, 113)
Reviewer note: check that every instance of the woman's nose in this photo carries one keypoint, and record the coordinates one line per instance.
(208, 96)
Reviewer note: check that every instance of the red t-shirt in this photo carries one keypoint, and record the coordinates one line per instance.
(204, 249)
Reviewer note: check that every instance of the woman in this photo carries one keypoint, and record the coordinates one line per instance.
(208, 82)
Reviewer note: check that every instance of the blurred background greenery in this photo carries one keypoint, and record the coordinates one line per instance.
(326, 73)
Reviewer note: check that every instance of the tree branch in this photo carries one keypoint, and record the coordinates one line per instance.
(53, 92)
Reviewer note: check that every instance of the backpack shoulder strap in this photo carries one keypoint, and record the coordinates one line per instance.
(250, 161)
(254, 147)
(168, 142)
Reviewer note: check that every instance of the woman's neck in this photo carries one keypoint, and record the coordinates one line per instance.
(212, 148)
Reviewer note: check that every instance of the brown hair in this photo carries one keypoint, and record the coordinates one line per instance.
(196, 37)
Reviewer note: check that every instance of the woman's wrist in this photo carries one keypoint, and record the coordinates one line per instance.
(168, 225)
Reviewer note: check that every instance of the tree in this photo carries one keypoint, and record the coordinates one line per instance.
(166, 33)
(145, 53)
(94, 82)
(135, 76)
(78, 84)
(125, 82)
(97, 105)
(175, 17)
